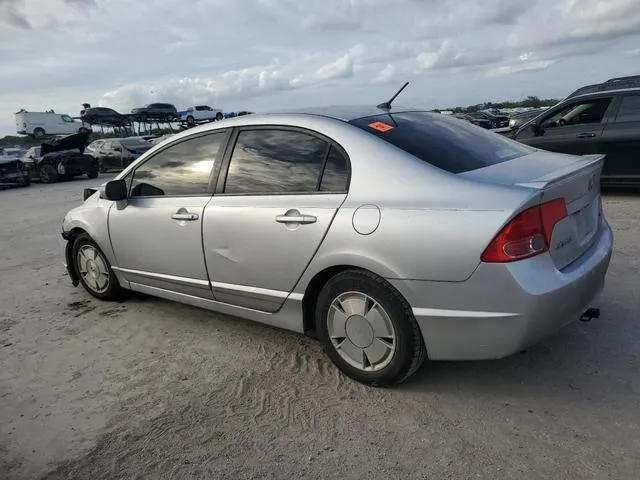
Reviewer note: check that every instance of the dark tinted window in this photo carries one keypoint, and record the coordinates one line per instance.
(336, 173)
(275, 161)
(182, 169)
(629, 109)
(444, 141)
(578, 113)
(202, 108)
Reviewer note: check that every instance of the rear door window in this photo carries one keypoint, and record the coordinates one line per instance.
(275, 161)
(443, 141)
(629, 109)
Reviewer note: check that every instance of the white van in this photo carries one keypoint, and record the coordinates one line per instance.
(40, 124)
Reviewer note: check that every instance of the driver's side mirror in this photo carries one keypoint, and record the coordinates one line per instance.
(116, 190)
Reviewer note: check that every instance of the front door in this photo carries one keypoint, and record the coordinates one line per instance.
(574, 128)
(157, 232)
(270, 213)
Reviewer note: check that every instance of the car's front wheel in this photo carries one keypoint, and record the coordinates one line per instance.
(93, 269)
(368, 329)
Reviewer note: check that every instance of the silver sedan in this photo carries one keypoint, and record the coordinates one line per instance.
(391, 235)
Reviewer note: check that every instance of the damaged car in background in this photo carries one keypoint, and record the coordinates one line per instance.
(13, 171)
(61, 159)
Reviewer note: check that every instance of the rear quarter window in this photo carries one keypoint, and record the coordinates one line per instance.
(443, 141)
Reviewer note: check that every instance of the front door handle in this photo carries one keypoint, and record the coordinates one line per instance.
(585, 135)
(185, 216)
(294, 216)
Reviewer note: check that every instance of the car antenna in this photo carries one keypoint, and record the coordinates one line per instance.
(387, 105)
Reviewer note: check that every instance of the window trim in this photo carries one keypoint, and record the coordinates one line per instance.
(231, 145)
(213, 174)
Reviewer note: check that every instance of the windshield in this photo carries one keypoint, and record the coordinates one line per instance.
(443, 141)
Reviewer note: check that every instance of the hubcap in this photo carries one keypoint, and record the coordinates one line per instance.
(93, 269)
(361, 331)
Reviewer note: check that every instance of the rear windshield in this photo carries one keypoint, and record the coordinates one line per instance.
(443, 141)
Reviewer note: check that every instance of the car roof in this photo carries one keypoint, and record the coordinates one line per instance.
(604, 93)
(344, 112)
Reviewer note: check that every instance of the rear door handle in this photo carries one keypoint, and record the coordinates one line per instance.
(304, 219)
(585, 135)
(185, 216)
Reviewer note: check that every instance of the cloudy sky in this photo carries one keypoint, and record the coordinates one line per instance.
(271, 54)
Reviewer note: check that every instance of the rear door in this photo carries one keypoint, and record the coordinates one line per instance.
(574, 128)
(620, 141)
(276, 197)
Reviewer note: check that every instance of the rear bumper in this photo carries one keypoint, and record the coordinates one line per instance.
(503, 308)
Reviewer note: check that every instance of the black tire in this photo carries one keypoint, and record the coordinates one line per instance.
(113, 291)
(410, 351)
(191, 121)
(219, 116)
(39, 133)
(48, 174)
(93, 171)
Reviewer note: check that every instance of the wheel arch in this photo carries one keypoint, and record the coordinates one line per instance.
(319, 280)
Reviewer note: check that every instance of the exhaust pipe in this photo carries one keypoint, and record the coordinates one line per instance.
(590, 314)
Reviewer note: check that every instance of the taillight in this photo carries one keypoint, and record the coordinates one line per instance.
(527, 234)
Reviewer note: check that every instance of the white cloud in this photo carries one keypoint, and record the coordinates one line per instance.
(262, 54)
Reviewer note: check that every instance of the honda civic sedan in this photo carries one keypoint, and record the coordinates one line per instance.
(391, 235)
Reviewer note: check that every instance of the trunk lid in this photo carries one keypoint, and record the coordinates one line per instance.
(572, 177)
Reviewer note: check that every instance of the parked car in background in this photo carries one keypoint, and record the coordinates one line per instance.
(117, 153)
(161, 138)
(156, 111)
(13, 170)
(103, 116)
(41, 124)
(476, 120)
(241, 113)
(324, 222)
(497, 121)
(61, 159)
(518, 119)
(200, 113)
(606, 122)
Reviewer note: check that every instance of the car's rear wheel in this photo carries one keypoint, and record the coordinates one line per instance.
(48, 174)
(368, 329)
(39, 132)
(219, 116)
(93, 269)
(191, 120)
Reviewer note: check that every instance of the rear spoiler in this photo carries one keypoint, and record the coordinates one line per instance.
(557, 176)
(88, 192)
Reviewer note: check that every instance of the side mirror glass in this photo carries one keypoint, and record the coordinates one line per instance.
(115, 190)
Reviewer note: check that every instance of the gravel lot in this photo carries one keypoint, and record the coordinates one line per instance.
(153, 389)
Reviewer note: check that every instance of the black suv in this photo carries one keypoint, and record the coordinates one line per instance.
(160, 111)
(605, 121)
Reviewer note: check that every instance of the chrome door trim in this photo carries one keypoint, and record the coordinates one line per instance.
(169, 278)
(250, 290)
(256, 291)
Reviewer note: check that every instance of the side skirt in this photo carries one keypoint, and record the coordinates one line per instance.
(289, 317)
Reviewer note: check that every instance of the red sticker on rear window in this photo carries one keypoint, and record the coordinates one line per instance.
(381, 126)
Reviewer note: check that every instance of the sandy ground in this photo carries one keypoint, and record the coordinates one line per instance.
(153, 389)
